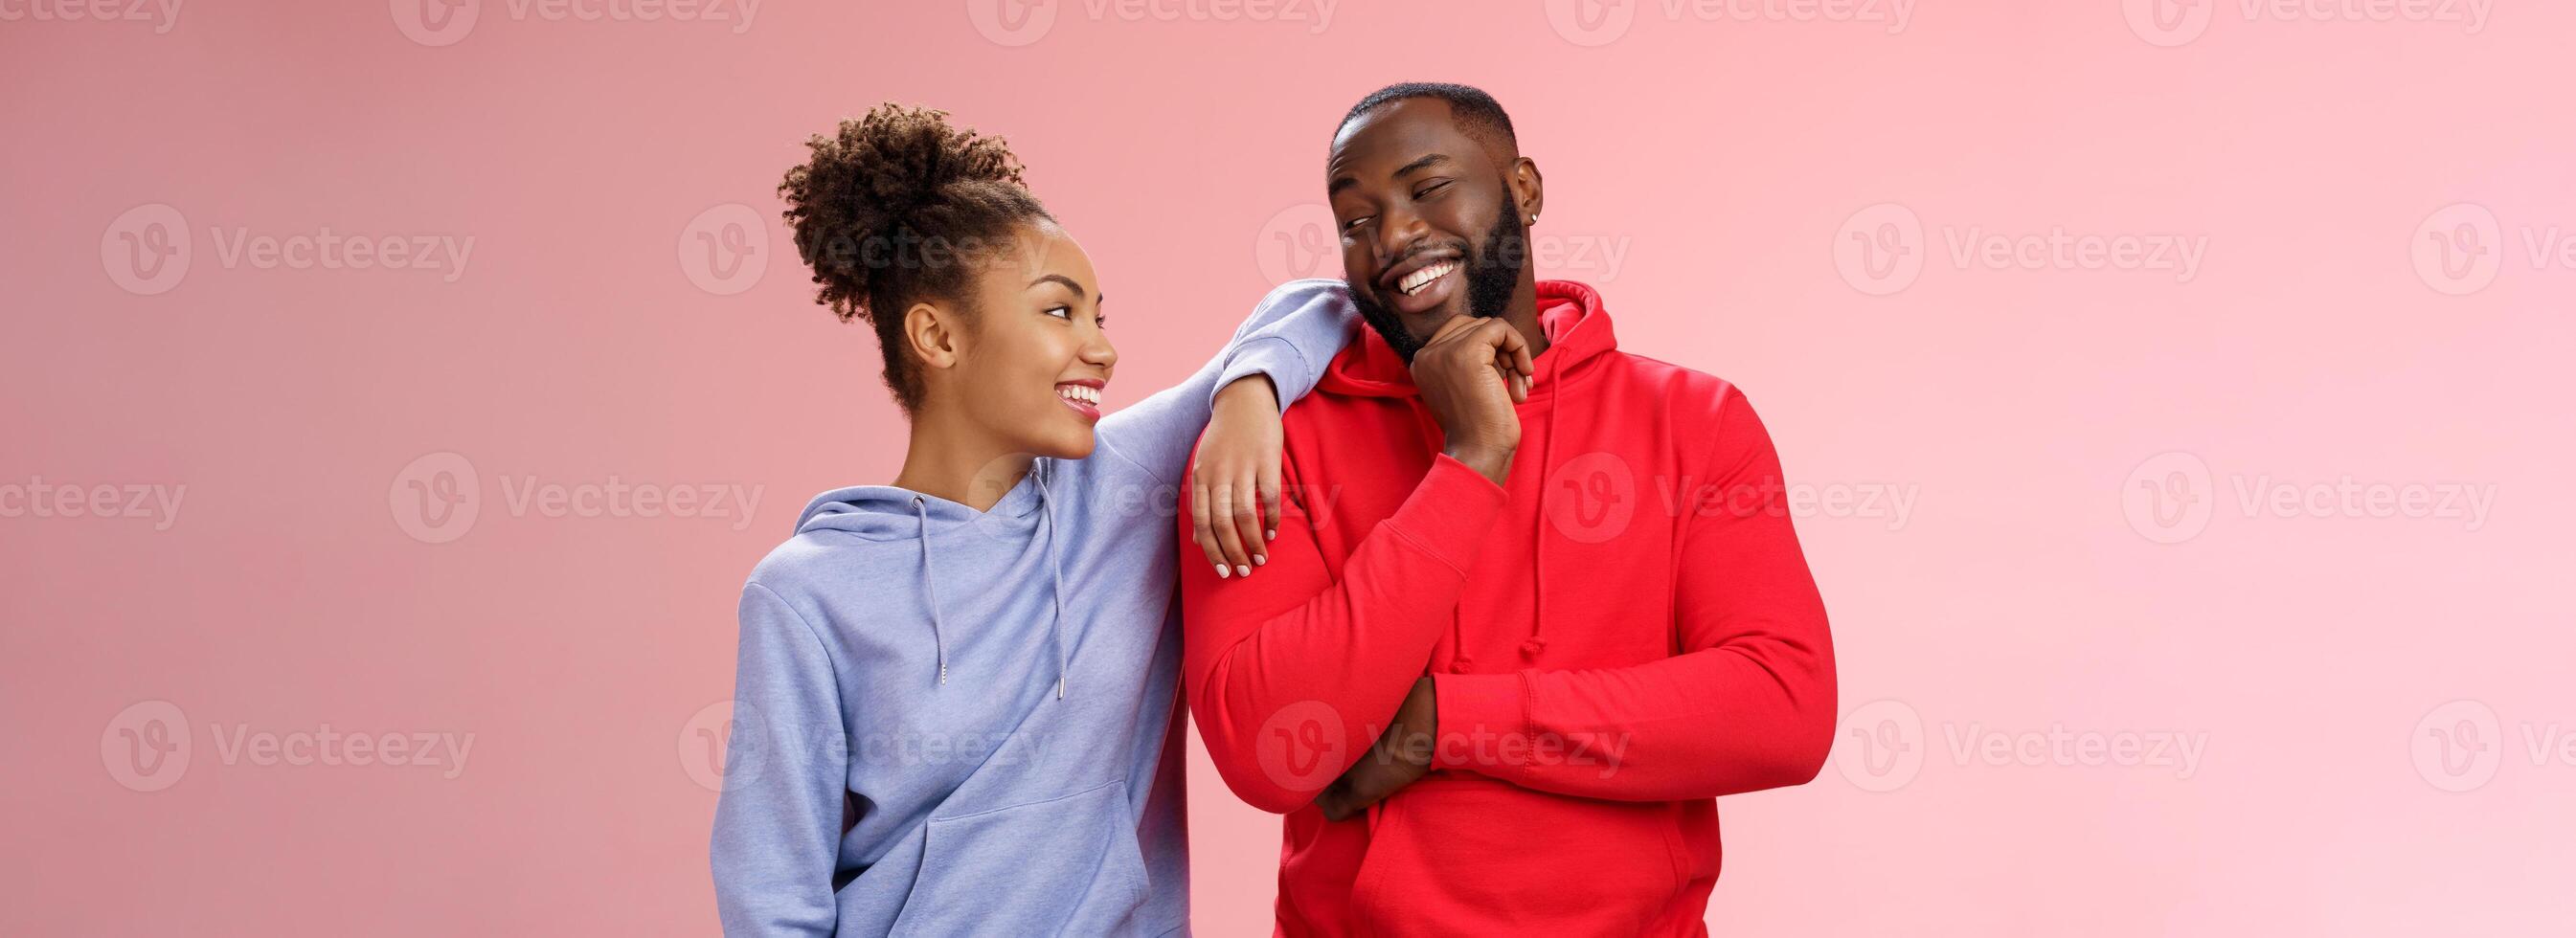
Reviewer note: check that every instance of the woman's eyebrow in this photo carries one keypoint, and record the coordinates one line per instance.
(1068, 282)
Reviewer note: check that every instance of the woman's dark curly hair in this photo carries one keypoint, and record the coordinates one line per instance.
(896, 209)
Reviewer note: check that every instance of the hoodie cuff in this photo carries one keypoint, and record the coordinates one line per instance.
(1270, 356)
(1484, 721)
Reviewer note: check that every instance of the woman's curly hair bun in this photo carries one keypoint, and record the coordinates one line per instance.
(877, 193)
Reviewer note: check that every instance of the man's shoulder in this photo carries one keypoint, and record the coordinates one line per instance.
(1679, 389)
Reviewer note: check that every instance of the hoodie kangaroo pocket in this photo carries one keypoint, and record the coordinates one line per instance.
(1068, 865)
(1466, 855)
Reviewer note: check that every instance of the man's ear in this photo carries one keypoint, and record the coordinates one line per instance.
(933, 334)
(1528, 190)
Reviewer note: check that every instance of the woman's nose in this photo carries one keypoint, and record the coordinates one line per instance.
(1099, 351)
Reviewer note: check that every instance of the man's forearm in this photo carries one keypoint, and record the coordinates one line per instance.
(1299, 649)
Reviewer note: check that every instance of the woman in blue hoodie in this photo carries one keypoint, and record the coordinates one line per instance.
(955, 697)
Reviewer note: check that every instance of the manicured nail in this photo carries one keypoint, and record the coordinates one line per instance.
(1259, 560)
(1274, 534)
(1243, 571)
(1222, 572)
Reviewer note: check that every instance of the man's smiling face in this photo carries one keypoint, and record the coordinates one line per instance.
(1430, 229)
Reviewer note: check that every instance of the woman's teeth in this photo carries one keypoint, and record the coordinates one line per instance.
(1079, 392)
(1414, 282)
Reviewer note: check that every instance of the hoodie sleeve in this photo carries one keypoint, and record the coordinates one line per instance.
(1748, 704)
(1291, 672)
(1293, 333)
(778, 822)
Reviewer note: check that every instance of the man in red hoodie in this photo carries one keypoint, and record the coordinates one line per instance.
(1532, 602)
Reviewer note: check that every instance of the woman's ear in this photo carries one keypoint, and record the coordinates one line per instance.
(933, 335)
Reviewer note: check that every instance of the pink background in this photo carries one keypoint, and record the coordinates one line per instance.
(2377, 697)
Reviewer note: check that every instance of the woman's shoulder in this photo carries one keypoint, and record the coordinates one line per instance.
(814, 567)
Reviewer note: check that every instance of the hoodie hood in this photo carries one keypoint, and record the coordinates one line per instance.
(887, 513)
(891, 513)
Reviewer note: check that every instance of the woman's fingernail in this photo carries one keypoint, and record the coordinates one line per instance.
(1243, 571)
(1260, 560)
(1222, 572)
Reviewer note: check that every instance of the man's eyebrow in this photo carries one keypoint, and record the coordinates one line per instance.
(1060, 278)
(1345, 181)
(1427, 161)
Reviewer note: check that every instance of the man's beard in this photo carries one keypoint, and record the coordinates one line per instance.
(1493, 273)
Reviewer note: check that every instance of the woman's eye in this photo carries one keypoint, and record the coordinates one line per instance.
(1060, 312)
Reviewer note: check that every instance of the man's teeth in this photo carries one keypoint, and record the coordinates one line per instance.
(1079, 392)
(1415, 281)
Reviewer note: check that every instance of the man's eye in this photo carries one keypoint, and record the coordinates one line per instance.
(1354, 224)
(1431, 190)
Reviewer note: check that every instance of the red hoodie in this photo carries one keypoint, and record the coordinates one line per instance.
(1622, 634)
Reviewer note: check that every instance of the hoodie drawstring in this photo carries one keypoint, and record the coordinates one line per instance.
(1538, 578)
(930, 590)
(1055, 572)
(1055, 569)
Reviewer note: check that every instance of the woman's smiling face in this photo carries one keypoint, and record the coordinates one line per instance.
(1035, 355)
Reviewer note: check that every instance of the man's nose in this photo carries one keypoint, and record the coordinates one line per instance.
(1398, 232)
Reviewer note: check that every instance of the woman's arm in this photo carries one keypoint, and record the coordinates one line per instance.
(778, 823)
(1274, 358)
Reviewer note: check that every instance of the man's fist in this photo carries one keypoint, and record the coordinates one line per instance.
(1470, 373)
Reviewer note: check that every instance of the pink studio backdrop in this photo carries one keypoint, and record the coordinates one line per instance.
(2176, 395)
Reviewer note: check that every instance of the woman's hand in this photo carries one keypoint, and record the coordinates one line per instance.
(1234, 484)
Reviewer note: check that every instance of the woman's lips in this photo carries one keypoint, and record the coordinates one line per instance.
(1082, 395)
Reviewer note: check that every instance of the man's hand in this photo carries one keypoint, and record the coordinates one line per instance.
(1234, 485)
(1401, 755)
(1470, 374)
